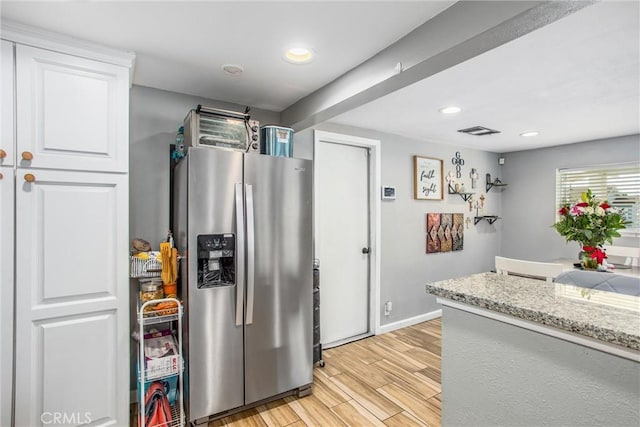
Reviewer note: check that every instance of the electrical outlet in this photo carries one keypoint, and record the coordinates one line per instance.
(388, 306)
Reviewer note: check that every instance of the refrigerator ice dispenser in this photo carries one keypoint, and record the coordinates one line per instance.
(216, 260)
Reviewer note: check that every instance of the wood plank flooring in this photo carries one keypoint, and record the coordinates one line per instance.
(389, 380)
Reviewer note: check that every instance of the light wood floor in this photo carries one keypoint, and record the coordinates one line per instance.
(388, 380)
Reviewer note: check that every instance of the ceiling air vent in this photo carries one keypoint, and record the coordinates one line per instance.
(478, 131)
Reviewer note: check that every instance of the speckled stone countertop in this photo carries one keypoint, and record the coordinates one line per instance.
(609, 317)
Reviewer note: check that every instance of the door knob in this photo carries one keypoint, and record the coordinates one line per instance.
(26, 155)
(29, 177)
(365, 250)
(3, 154)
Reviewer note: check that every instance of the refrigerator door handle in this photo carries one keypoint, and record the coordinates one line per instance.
(251, 254)
(240, 253)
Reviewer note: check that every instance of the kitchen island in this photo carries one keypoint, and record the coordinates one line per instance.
(520, 351)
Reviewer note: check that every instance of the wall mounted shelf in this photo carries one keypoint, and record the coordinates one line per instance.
(496, 183)
(489, 218)
(465, 196)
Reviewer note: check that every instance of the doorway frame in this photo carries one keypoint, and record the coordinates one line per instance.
(374, 166)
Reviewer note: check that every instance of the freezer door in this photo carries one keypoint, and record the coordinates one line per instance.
(215, 344)
(278, 330)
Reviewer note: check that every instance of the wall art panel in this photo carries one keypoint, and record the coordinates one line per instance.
(445, 232)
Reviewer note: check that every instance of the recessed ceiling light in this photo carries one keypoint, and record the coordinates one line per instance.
(450, 110)
(529, 133)
(232, 69)
(298, 55)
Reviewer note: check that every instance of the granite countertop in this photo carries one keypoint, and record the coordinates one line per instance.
(606, 316)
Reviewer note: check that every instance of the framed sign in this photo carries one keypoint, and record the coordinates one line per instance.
(427, 178)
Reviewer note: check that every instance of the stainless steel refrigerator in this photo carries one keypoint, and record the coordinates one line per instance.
(244, 222)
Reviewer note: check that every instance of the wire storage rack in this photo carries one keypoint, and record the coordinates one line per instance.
(166, 371)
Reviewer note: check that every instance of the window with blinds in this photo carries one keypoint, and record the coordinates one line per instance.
(619, 185)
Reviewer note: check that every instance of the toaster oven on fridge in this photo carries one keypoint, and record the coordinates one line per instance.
(212, 127)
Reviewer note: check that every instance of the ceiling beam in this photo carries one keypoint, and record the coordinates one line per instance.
(461, 32)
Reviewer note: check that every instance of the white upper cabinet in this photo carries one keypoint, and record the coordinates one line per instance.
(8, 113)
(72, 112)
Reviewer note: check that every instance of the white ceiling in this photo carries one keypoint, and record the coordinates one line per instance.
(573, 80)
(181, 46)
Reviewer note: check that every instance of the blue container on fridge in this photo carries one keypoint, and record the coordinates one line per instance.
(276, 141)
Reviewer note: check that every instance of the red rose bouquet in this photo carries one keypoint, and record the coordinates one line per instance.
(591, 223)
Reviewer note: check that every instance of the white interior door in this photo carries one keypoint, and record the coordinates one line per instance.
(342, 232)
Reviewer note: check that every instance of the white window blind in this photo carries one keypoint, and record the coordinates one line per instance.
(619, 185)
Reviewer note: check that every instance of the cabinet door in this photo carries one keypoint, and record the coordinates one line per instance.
(7, 104)
(6, 293)
(72, 112)
(72, 319)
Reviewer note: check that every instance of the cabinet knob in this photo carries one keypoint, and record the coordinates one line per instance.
(1, 176)
(3, 154)
(29, 177)
(26, 155)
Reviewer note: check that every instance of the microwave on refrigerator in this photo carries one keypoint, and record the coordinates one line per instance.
(212, 127)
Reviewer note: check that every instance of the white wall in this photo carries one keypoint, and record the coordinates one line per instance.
(529, 200)
(405, 267)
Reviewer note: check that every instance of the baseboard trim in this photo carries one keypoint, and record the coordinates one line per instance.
(410, 321)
